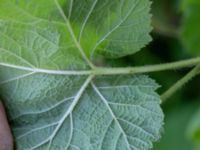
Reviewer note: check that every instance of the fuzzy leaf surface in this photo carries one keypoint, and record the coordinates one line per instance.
(53, 100)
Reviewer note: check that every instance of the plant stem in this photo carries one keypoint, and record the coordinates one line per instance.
(148, 68)
(112, 71)
(179, 84)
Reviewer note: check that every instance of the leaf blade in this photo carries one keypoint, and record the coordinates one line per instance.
(46, 79)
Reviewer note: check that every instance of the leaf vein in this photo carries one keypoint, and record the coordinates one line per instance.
(112, 114)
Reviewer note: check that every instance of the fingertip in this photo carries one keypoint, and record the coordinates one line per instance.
(6, 139)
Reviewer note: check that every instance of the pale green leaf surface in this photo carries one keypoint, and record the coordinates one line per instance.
(53, 102)
(111, 113)
(112, 28)
(118, 25)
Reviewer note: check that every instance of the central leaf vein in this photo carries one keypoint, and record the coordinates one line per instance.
(73, 35)
(67, 113)
(112, 114)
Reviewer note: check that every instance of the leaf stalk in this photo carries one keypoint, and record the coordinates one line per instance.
(179, 84)
(148, 68)
(112, 71)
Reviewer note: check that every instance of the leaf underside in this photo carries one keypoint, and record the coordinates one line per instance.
(52, 103)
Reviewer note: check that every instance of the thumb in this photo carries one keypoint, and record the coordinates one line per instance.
(6, 140)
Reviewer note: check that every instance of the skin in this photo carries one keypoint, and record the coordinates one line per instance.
(6, 139)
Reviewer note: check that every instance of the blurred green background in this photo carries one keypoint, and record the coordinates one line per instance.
(176, 36)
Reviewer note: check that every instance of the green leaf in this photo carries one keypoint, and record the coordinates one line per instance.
(194, 128)
(111, 28)
(54, 97)
(190, 28)
(64, 112)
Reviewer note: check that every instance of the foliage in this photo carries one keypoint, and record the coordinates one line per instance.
(69, 75)
(191, 24)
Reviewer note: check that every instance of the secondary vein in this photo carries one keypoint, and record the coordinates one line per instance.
(73, 35)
